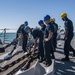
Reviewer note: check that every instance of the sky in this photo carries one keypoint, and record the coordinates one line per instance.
(13, 13)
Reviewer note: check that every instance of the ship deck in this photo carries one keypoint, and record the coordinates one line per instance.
(60, 67)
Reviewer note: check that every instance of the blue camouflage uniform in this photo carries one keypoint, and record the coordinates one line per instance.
(25, 38)
(48, 45)
(55, 35)
(38, 33)
(43, 27)
(69, 28)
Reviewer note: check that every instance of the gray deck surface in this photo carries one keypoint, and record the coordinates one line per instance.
(66, 67)
(61, 68)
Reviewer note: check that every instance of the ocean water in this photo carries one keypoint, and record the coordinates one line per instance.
(10, 36)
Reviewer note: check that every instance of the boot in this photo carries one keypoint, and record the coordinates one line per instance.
(65, 59)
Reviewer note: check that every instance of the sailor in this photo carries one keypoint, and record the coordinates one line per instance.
(38, 34)
(43, 26)
(68, 36)
(19, 31)
(25, 32)
(55, 33)
(48, 38)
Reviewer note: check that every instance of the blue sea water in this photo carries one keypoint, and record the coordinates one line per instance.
(8, 37)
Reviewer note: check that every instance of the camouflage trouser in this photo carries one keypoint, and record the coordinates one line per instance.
(67, 46)
(41, 47)
(48, 47)
(25, 38)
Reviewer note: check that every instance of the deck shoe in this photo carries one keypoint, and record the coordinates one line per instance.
(48, 64)
(53, 57)
(65, 59)
(74, 53)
